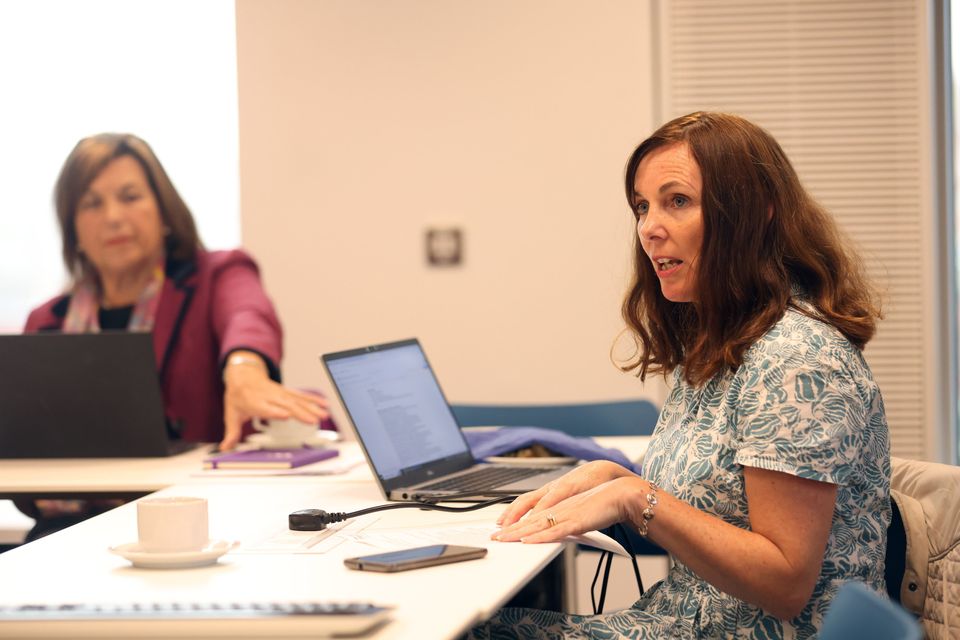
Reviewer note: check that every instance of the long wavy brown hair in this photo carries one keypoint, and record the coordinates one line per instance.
(763, 235)
(88, 158)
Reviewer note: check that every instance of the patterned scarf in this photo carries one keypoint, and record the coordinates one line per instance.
(82, 317)
(85, 306)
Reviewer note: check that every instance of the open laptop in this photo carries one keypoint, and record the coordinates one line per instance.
(92, 395)
(409, 433)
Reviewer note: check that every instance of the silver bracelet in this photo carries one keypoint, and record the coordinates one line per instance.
(647, 514)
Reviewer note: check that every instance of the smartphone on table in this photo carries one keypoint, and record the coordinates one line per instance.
(415, 558)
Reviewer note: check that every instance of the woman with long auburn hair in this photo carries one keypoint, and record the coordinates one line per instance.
(768, 475)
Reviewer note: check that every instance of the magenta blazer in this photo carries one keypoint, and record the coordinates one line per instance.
(207, 309)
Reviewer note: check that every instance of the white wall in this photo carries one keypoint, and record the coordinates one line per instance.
(72, 69)
(362, 122)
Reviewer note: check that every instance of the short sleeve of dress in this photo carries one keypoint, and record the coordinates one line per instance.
(802, 401)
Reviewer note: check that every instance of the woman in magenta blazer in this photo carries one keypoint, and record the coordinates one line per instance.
(137, 264)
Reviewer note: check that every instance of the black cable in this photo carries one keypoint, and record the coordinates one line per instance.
(633, 556)
(318, 519)
(593, 585)
(606, 580)
(608, 557)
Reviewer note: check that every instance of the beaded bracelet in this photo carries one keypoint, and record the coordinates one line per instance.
(647, 514)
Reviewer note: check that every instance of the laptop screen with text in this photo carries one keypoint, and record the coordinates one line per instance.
(397, 407)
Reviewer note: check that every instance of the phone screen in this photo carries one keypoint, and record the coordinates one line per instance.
(414, 558)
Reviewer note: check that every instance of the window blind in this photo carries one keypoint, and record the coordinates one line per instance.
(845, 87)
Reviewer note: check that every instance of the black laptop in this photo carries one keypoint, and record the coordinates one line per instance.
(409, 433)
(92, 395)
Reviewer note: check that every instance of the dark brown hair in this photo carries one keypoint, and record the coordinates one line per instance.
(763, 235)
(85, 162)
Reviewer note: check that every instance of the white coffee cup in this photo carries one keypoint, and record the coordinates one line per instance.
(287, 433)
(172, 524)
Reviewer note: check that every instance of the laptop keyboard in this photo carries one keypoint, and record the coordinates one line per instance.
(484, 478)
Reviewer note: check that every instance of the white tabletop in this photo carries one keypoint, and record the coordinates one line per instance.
(74, 565)
(97, 475)
(144, 475)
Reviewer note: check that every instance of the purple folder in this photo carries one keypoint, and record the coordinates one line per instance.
(268, 458)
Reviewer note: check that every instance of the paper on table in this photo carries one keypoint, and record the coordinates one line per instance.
(356, 531)
(601, 541)
(287, 541)
(401, 538)
(475, 534)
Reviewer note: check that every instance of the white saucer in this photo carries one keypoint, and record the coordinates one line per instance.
(176, 560)
(548, 461)
(318, 440)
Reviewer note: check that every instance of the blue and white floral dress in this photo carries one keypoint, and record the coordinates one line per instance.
(804, 402)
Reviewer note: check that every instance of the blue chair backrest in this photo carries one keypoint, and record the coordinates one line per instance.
(857, 613)
(617, 418)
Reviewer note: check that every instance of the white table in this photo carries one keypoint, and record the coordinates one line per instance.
(127, 478)
(73, 476)
(29, 476)
(74, 565)
(439, 602)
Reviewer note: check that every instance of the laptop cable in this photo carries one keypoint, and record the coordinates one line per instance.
(318, 519)
(607, 557)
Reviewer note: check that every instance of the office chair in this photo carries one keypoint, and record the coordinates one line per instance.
(616, 418)
(857, 613)
(923, 542)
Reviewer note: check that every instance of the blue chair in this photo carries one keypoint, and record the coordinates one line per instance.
(857, 613)
(617, 418)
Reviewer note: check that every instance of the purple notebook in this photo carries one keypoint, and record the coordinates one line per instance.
(268, 458)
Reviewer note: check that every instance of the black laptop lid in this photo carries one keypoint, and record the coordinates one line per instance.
(90, 395)
(403, 421)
